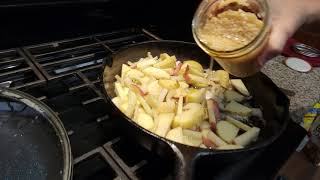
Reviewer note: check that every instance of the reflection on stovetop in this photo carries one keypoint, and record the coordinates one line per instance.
(66, 76)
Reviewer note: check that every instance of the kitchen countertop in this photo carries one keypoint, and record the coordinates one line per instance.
(306, 86)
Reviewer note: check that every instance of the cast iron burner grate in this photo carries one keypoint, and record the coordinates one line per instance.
(66, 76)
(18, 70)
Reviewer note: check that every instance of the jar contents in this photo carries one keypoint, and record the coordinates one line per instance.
(231, 27)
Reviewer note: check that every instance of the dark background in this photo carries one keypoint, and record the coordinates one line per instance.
(34, 21)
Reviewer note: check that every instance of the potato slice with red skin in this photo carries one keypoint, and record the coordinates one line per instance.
(195, 80)
(176, 70)
(213, 113)
(213, 137)
(208, 143)
(194, 64)
(137, 89)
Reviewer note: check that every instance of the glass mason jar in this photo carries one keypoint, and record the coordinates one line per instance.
(239, 61)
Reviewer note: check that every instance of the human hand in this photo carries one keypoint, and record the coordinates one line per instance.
(287, 16)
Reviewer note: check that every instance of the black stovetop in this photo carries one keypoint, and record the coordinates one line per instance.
(65, 74)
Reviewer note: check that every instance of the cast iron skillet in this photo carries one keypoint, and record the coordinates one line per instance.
(265, 93)
(33, 142)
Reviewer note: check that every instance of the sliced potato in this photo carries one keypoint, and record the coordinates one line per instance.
(156, 73)
(237, 123)
(134, 74)
(237, 108)
(121, 91)
(191, 116)
(163, 94)
(213, 137)
(192, 138)
(191, 133)
(204, 125)
(166, 62)
(227, 131)
(193, 64)
(197, 81)
(223, 77)
(165, 107)
(154, 89)
(180, 106)
(180, 92)
(116, 101)
(132, 101)
(145, 120)
(231, 95)
(137, 111)
(123, 107)
(191, 141)
(230, 146)
(208, 143)
(175, 135)
(145, 105)
(169, 84)
(146, 63)
(195, 95)
(124, 69)
(152, 101)
(183, 84)
(247, 137)
(164, 56)
(239, 85)
(164, 123)
(197, 73)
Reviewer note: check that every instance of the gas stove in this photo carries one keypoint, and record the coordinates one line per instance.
(65, 74)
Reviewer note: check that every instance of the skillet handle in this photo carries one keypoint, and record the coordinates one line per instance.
(182, 168)
(184, 163)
